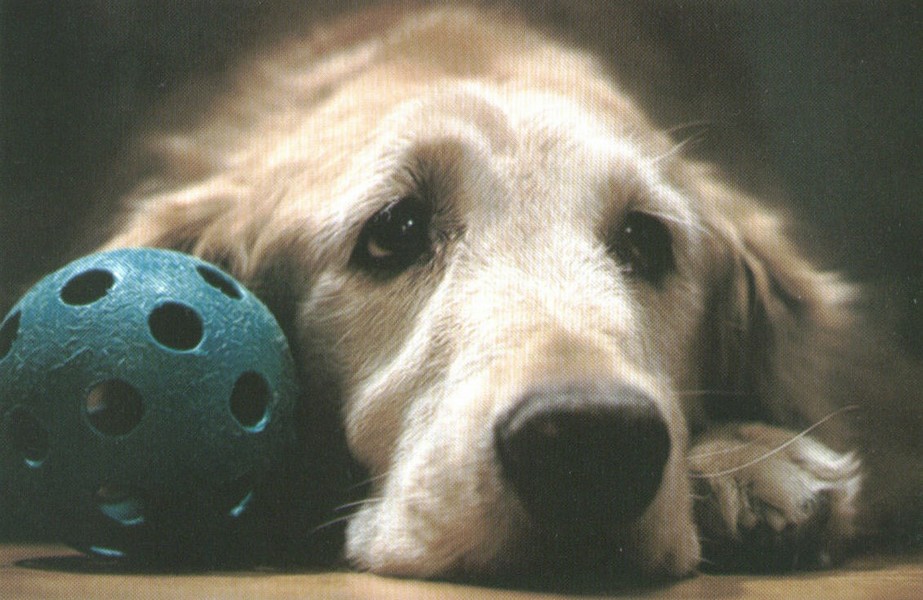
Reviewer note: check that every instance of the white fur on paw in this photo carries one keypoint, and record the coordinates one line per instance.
(771, 499)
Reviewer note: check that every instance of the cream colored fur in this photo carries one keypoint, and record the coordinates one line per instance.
(536, 154)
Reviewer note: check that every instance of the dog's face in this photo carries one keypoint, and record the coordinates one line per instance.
(516, 295)
(517, 285)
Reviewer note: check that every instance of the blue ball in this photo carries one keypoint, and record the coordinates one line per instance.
(146, 402)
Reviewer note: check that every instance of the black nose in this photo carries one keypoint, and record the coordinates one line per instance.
(583, 457)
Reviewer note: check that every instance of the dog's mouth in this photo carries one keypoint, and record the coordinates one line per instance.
(569, 482)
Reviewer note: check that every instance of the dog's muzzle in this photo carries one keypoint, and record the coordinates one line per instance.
(583, 458)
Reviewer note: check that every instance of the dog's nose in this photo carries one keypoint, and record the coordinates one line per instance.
(583, 457)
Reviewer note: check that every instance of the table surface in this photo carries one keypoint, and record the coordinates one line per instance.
(42, 571)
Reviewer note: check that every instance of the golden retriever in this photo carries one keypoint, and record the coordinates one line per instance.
(552, 338)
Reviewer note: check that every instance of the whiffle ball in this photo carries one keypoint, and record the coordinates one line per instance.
(146, 404)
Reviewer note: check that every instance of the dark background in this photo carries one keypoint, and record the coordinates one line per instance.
(818, 105)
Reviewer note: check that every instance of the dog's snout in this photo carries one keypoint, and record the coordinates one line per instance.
(583, 457)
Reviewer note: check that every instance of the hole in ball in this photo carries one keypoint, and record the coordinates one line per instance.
(220, 282)
(176, 326)
(87, 287)
(122, 505)
(113, 407)
(8, 332)
(28, 437)
(250, 401)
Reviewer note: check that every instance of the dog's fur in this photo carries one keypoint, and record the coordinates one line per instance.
(531, 158)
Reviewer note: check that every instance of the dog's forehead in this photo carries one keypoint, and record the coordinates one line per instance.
(511, 152)
(538, 134)
(507, 120)
(568, 148)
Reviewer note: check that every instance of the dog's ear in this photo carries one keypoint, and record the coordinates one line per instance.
(186, 219)
(212, 219)
(780, 321)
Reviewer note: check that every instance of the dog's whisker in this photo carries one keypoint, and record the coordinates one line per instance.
(677, 148)
(370, 500)
(777, 449)
(709, 393)
(704, 560)
(721, 451)
(703, 123)
(355, 504)
(368, 481)
(330, 523)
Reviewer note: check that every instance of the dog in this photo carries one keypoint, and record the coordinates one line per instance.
(549, 335)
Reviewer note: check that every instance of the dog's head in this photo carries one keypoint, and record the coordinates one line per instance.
(523, 295)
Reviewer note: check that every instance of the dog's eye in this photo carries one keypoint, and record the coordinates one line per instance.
(643, 244)
(394, 238)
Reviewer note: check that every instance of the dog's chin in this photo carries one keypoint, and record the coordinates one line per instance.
(491, 540)
(379, 543)
(448, 530)
(446, 508)
(529, 557)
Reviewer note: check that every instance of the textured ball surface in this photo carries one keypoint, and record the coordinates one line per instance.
(146, 399)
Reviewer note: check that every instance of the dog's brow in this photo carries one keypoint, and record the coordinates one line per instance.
(482, 112)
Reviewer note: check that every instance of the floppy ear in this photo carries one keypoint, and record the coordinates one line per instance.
(182, 219)
(781, 322)
(209, 220)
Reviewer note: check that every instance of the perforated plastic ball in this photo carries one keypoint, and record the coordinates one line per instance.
(146, 399)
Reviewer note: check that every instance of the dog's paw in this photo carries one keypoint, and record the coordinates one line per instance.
(769, 499)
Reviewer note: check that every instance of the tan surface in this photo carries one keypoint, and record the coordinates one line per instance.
(57, 572)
